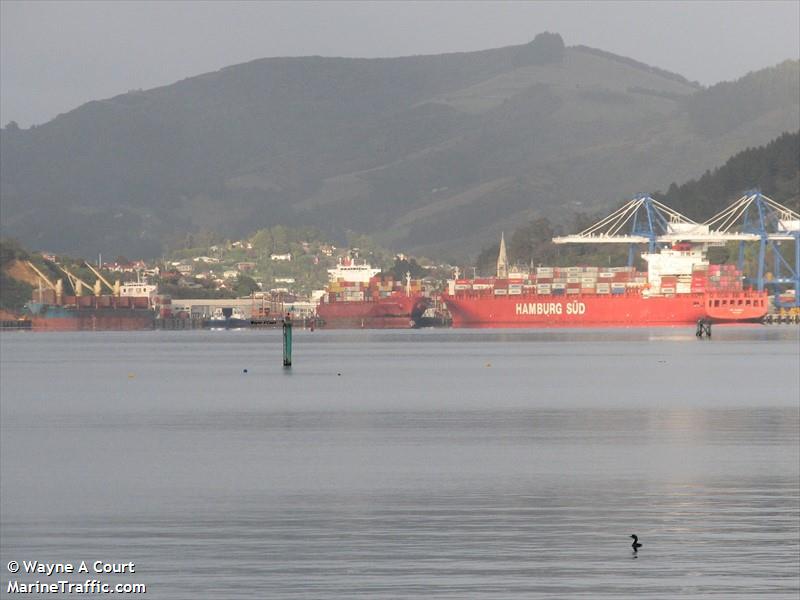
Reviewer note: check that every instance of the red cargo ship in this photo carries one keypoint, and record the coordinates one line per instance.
(50, 311)
(121, 314)
(679, 288)
(395, 312)
(357, 298)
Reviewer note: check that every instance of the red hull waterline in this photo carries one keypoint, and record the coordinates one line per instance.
(386, 313)
(108, 322)
(603, 310)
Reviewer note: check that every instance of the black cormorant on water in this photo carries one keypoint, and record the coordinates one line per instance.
(635, 545)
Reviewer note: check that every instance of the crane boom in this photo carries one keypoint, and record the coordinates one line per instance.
(57, 287)
(642, 220)
(76, 282)
(114, 290)
(41, 275)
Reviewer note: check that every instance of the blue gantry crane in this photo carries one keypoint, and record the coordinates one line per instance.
(752, 218)
(759, 218)
(642, 220)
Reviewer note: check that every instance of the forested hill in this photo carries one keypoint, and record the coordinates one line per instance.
(774, 169)
(429, 154)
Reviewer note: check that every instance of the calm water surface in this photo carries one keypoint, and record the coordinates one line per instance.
(424, 464)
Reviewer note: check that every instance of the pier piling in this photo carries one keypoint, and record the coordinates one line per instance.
(703, 328)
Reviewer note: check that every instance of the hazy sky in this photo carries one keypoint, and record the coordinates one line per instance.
(55, 56)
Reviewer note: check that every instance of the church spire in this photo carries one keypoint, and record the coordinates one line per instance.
(502, 261)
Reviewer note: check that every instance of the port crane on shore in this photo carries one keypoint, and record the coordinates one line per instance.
(754, 217)
(642, 220)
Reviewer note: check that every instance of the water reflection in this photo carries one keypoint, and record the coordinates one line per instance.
(417, 472)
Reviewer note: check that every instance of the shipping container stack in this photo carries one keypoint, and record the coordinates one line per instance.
(669, 284)
(341, 290)
(724, 278)
(699, 278)
(570, 281)
(346, 291)
(559, 281)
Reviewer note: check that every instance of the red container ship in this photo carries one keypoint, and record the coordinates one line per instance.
(679, 288)
(357, 298)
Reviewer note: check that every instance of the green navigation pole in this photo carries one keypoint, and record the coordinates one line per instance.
(287, 340)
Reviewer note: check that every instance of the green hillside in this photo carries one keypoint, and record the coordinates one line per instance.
(773, 168)
(428, 154)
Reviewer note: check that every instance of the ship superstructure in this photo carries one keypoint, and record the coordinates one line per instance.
(351, 270)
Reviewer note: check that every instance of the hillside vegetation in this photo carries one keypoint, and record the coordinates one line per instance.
(773, 168)
(429, 154)
(15, 285)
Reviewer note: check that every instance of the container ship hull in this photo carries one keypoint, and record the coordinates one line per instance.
(384, 313)
(680, 287)
(603, 310)
(61, 318)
